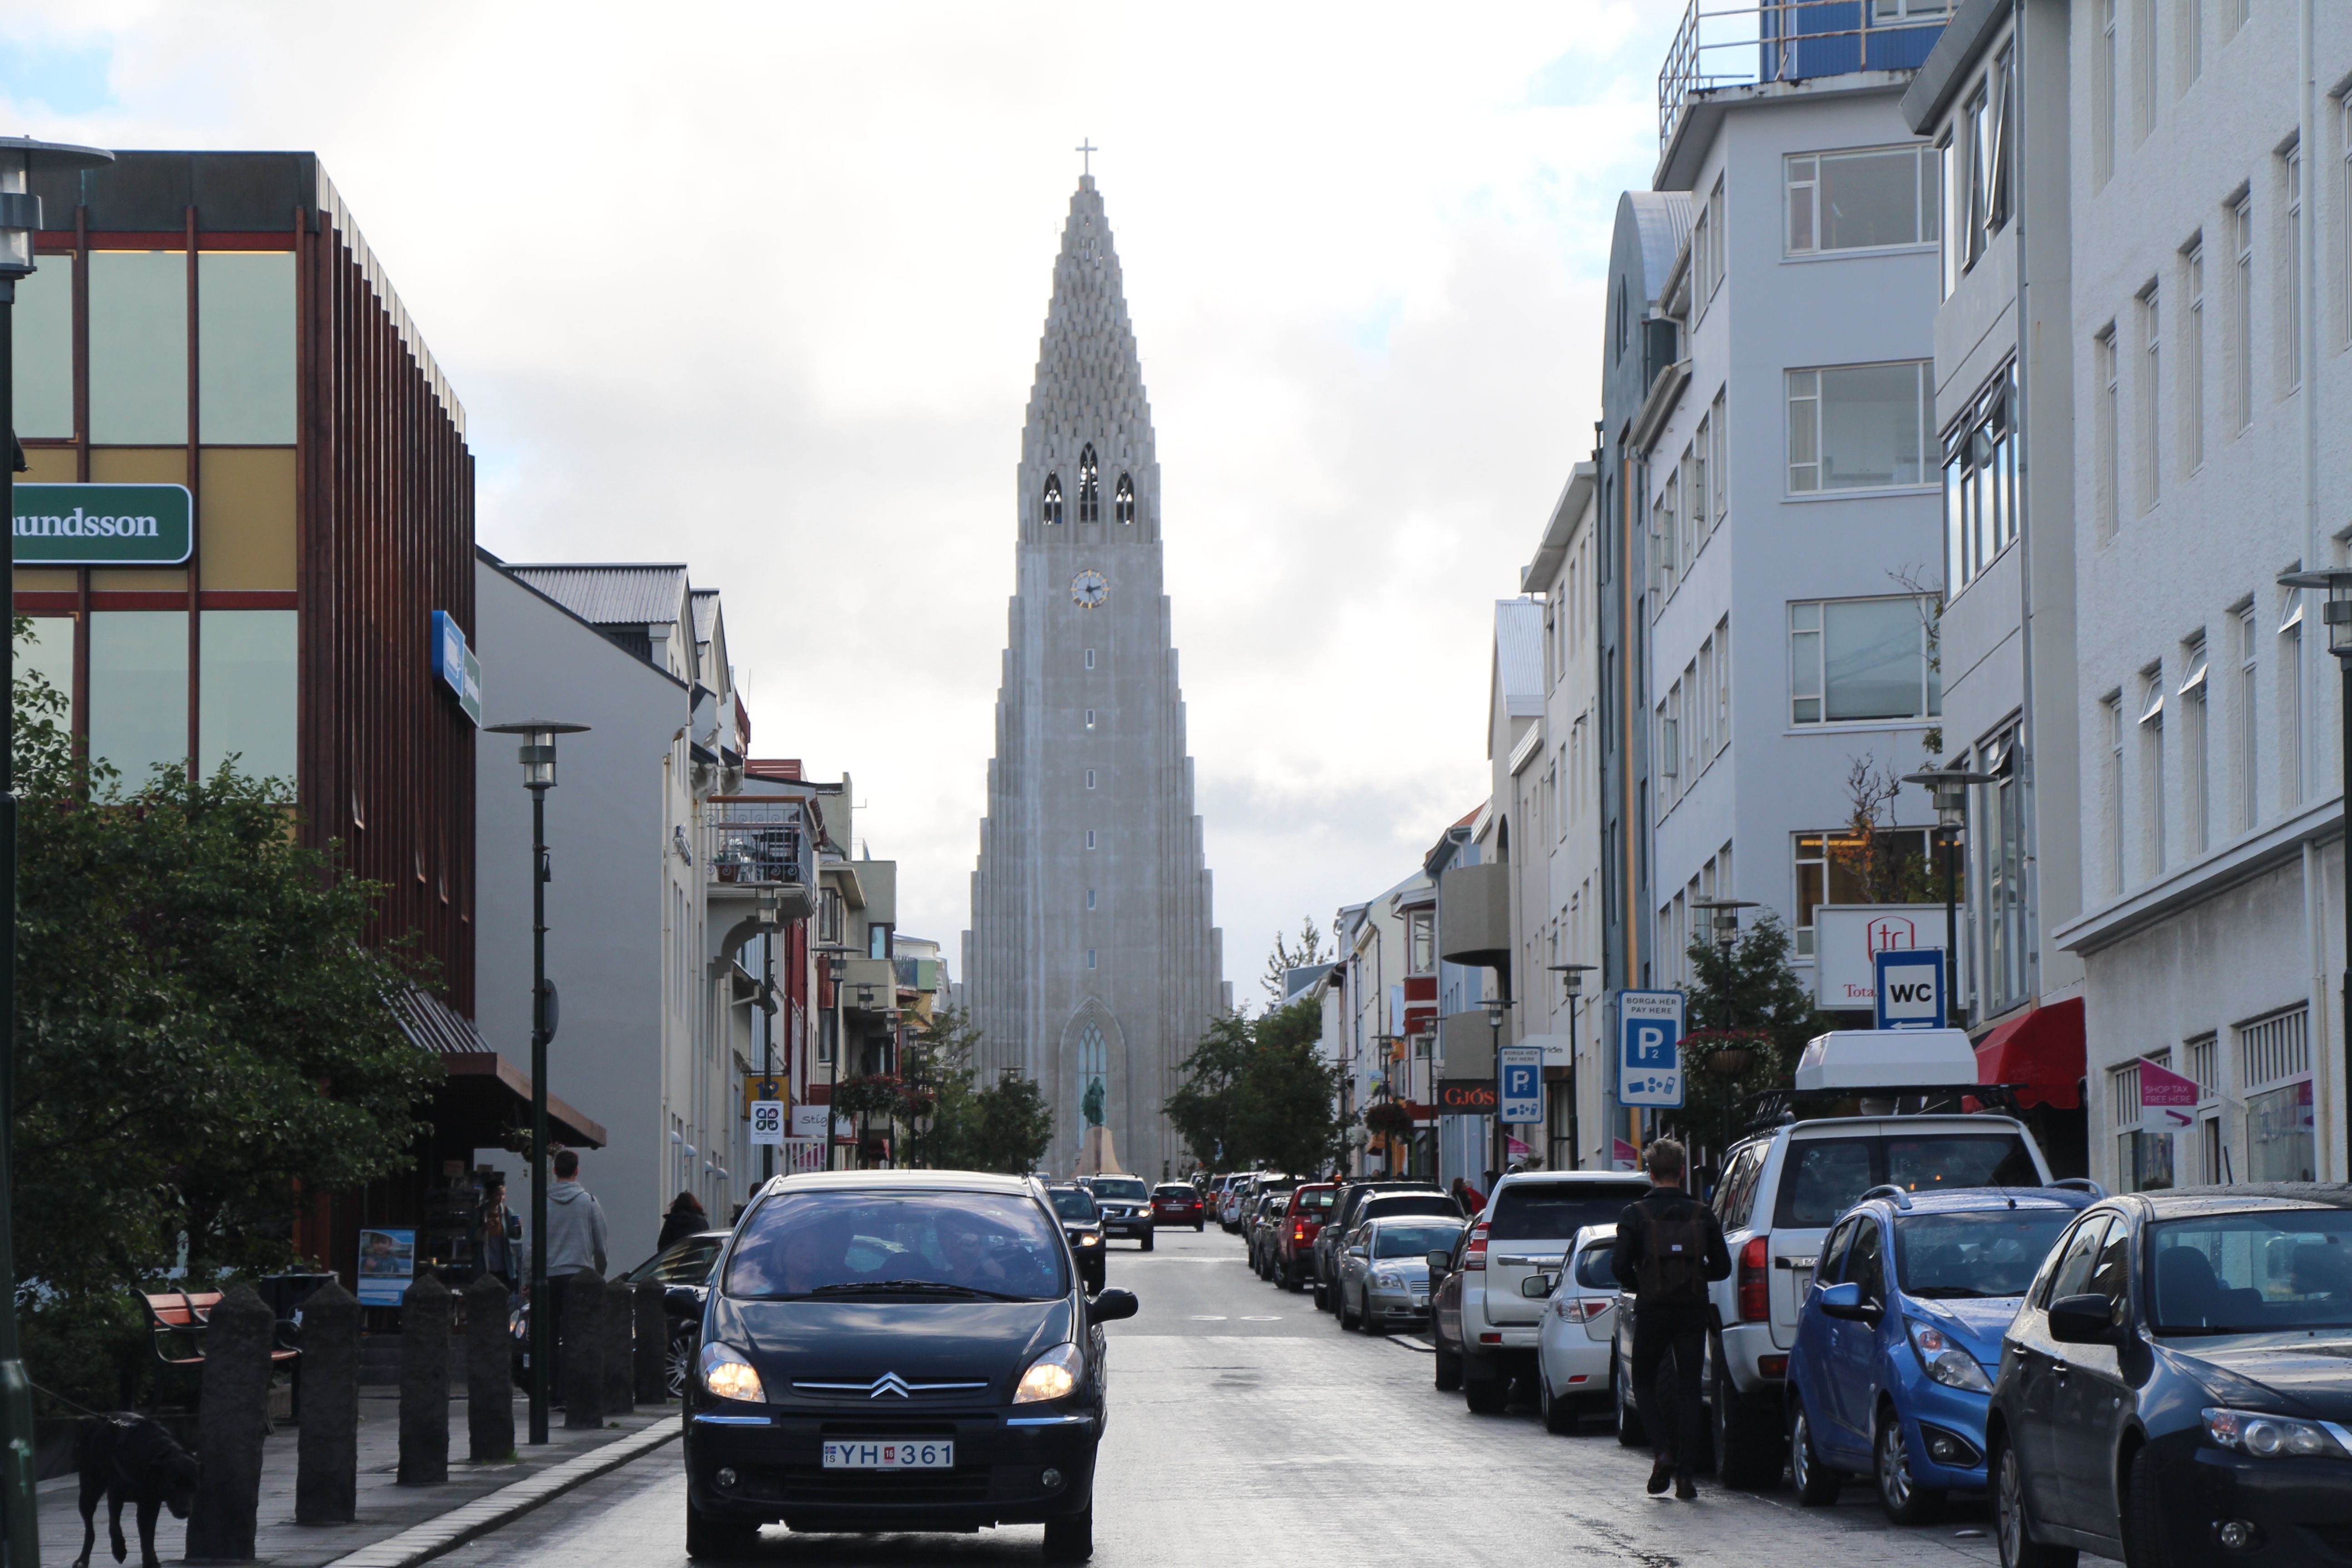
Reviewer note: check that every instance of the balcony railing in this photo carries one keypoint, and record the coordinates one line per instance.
(1738, 43)
(758, 843)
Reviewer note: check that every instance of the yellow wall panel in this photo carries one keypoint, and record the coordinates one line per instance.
(47, 580)
(138, 579)
(138, 465)
(244, 509)
(48, 466)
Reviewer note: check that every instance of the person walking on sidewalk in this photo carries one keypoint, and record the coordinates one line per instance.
(686, 1218)
(1669, 1247)
(575, 1240)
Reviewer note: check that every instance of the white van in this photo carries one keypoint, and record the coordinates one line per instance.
(1527, 1227)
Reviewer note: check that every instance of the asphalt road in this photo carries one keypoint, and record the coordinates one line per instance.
(1247, 1428)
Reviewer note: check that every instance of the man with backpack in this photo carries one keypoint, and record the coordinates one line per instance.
(1669, 1247)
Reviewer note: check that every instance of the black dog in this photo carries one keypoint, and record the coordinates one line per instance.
(129, 1458)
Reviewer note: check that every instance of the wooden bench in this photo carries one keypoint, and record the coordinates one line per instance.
(176, 1320)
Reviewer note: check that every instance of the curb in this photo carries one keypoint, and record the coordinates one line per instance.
(423, 1543)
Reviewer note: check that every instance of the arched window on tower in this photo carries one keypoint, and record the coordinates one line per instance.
(1089, 488)
(1122, 503)
(1050, 507)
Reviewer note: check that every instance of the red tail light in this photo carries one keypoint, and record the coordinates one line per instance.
(1298, 1233)
(1755, 1277)
(1591, 1307)
(1474, 1257)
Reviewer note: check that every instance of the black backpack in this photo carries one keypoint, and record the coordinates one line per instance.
(1672, 1270)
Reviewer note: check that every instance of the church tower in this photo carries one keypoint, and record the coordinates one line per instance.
(1091, 964)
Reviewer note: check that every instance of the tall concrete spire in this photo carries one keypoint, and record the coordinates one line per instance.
(1092, 958)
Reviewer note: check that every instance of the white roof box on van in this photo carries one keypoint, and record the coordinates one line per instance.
(1886, 1058)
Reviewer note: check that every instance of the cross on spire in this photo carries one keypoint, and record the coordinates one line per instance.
(1086, 148)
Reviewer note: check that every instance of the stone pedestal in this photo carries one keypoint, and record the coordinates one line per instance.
(581, 1358)
(652, 1358)
(489, 1372)
(620, 1347)
(1097, 1157)
(424, 1382)
(230, 1425)
(326, 1459)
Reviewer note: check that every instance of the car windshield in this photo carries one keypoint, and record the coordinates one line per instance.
(1179, 1192)
(686, 1262)
(1320, 1202)
(1592, 1267)
(1822, 1177)
(1118, 1188)
(1073, 1202)
(1545, 1211)
(2251, 1273)
(1413, 1240)
(1962, 1257)
(940, 1244)
(1412, 1203)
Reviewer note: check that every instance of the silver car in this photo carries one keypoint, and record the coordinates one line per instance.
(1384, 1271)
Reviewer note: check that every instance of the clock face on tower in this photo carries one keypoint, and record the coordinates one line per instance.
(1088, 589)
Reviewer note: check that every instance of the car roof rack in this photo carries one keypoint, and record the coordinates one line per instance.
(1888, 1190)
(1772, 1106)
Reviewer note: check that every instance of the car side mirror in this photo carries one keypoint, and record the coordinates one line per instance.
(2088, 1320)
(1112, 1305)
(1844, 1301)
(1438, 1260)
(1358, 1251)
(1538, 1286)
(682, 1301)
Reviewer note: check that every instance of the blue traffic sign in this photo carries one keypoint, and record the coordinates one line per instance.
(1519, 1091)
(1910, 982)
(1650, 1048)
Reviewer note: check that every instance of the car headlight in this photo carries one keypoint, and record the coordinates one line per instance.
(1946, 1361)
(1090, 1240)
(727, 1374)
(2272, 1436)
(1054, 1375)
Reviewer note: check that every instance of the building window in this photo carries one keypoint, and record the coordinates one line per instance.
(1980, 200)
(1706, 251)
(1090, 837)
(2151, 770)
(1703, 701)
(2342, 228)
(1843, 867)
(1859, 426)
(2008, 946)
(139, 349)
(1122, 501)
(2104, 431)
(2143, 1160)
(2244, 758)
(2143, 69)
(1854, 661)
(1089, 487)
(1722, 683)
(1980, 481)
(1718, 465)
(2200, 1059)
(828, 918)
(2151, 460)
(1866, 199)
(1050, 505)
(1090, 659)
(246, 690)
(2290, 701)
(139, 691)
(2111, 788)
(2192, 359)
(1090, 898)
(2242, 314)
(2193, 762)
(1090, 778)
(2189, 54)
(43, 329)
(2291, 316)
(245, 347)
(1090, 717)
(1421, 942)
(2274, 1056)
(1698, 462)
(1091, 958)
(2103, 95)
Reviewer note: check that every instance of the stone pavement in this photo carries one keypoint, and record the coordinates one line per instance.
(388, 1512)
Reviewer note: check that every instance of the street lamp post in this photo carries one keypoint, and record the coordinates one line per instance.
(2336, 613)
(20, 219)
(1948, 789)
(1495, 1007)
(537, 755)
(1571, 991)
(837, 967)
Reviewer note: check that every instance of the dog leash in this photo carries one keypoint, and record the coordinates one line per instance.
(62, 1399)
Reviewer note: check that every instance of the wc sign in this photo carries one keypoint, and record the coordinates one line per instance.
(1910, 982)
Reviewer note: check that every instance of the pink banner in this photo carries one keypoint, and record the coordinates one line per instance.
(2168, 1101)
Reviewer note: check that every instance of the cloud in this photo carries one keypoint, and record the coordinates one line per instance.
(760, 288)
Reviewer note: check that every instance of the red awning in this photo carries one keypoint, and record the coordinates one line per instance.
(2042, 1051)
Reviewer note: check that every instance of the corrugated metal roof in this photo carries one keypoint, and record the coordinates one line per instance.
(706, 609)
(434, 1027)
(1518, 656)
(611, 594)
(1663, 219)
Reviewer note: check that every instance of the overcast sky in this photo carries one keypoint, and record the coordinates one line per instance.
(760, 288)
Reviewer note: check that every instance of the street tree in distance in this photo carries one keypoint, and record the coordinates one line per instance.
(1257, 1093)
(1749, 1000)
(1285, 958)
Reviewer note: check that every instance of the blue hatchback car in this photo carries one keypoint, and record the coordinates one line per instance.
(1900, 1335)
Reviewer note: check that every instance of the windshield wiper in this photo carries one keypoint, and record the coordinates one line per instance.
(913, 1288)
(1953, 1293)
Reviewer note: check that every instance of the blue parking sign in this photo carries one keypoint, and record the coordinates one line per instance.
(1519, 1092)
(1650, 1048)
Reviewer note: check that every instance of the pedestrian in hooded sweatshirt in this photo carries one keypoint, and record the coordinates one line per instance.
(1668, 1247)
(575, 1240)
(685, 1219)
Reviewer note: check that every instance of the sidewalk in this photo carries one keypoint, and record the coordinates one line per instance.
(386, 1510)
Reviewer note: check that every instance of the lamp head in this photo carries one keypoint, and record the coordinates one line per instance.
(21, 158)
(1948, 788)
(1723, 915)
(537, 753)
(2336, 611)
(1572, 977)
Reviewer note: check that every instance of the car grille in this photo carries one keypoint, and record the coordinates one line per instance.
(816, 1486)
(929, 1391)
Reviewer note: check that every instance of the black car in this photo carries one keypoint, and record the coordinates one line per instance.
(896, 1351)
(1126, 1206)
(1081, 1224)
(2177, 1387)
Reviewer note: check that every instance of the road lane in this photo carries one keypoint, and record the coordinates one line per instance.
(1247, 1428)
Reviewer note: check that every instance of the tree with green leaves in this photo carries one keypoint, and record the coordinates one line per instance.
(1748, 1000)
(1257, 1091)
(1284, 958)
(1006, 1126)
(203, 1033)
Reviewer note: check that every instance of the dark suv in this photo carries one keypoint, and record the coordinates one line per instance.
(895, 1350)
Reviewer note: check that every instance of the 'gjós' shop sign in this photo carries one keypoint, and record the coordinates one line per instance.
(103, 525)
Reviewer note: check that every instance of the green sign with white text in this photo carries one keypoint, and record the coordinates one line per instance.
(103, 525)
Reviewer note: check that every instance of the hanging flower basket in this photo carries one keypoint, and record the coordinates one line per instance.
(1388, 1119)
(868, 1094)
(1726, 1053)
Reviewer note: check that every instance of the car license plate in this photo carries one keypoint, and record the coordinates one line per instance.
(894, 1456)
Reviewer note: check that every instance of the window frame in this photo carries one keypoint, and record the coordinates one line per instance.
(1926, 201)
(1930, 686)
(1923, 415)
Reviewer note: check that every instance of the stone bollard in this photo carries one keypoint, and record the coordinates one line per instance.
(327, 1457)
(424, 1382)
(653, 1343)
(583, 1361)
(620, 1347)
(489, 1371)
(230, 1425)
